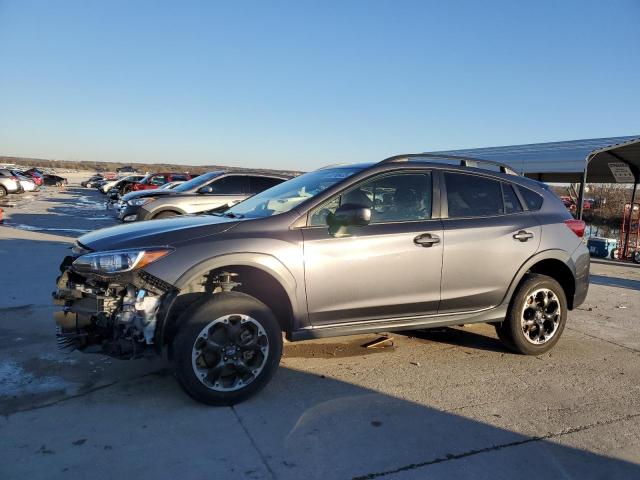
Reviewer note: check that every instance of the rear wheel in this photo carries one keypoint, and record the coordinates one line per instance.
(636, 256)
(614, 254)
(227, 348)
(536, 316)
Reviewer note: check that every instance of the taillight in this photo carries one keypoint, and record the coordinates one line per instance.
(576, 226)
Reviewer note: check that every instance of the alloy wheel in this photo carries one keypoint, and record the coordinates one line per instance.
(230, 352)
(541, 315)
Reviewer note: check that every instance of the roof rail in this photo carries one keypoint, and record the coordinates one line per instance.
(464, 161)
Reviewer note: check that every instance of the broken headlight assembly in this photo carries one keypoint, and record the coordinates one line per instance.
(119, 261)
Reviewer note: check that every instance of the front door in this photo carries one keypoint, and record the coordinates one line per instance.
(387, 269)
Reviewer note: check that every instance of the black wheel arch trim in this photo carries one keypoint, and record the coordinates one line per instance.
(550, 254)
(267, 263)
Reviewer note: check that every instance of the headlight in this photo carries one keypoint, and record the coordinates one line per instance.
(138, 202)
(119, 261)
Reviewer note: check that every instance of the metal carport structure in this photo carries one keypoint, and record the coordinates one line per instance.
(578, 161)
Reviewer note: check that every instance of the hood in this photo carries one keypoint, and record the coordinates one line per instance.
(156, 232)
(145, 193)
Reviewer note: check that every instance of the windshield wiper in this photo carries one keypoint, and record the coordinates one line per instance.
(232, 215)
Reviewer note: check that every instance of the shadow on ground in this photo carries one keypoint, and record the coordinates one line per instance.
(615, 282)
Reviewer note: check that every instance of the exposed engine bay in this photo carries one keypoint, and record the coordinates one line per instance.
(114, 315)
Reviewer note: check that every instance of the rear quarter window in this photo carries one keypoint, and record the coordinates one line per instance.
(532, 199)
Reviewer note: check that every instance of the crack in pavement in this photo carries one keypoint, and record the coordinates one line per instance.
(253, 442)
(631, 349)
(450, 457)
(89, 391)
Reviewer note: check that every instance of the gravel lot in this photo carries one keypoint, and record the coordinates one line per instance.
(450, 403)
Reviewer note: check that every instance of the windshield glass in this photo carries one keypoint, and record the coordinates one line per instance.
(196, 182)
(287, 195)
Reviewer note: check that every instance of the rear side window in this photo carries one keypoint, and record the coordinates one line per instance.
(259, 184)
(179, 178)
(472, 196)
(511, 202)
(231, 185)
(531, 198)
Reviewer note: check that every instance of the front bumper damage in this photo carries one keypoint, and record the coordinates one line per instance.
(115, 315)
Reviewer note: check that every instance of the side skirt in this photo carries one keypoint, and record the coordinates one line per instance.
(496, 314)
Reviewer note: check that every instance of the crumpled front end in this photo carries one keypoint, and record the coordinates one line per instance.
(114, 315)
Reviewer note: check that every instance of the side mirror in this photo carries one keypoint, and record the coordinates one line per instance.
(350, 215)
(205, 189)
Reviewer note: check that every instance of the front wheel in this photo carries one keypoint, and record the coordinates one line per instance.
(536, 316)
(166, 214)
(3, 191)
(227, 348)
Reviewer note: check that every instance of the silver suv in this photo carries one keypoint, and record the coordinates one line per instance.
(411, 242)
(9, 183)
(213, 190)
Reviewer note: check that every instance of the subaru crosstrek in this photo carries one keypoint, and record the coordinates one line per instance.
(411, 242)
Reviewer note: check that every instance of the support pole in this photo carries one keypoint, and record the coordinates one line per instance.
(625, 247)
(581, 193)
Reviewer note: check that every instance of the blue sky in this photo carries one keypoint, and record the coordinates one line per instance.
(306, 83)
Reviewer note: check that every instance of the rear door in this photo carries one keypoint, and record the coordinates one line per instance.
(487, 237)
(387, 269)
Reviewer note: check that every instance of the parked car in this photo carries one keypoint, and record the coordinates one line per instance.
(156, 180)
(27, 183)
(405, 243)
(55, 180)
(126, 169)
(92, 180)
(35, 175)
(9, 183)
(123, 188)
(109, 185)
(210, 191)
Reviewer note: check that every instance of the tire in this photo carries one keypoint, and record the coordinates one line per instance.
(504, 335)
(206, 373)
(636, 256)
(3, 191)
(614, 254)
(167, 214)
(536, 316)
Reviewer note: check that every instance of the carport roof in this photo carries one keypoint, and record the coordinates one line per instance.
(564, 161)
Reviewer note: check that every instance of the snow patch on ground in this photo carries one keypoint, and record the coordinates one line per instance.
(31, 228)
(15, 380)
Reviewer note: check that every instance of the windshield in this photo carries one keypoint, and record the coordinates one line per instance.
(289, 194)
(196, 182)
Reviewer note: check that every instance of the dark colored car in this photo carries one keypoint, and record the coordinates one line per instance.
(126, 169)
(156, 180)
(409, 242)
(91, 181)
(54, 180)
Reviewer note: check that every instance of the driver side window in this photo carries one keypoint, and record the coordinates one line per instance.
(400, 197)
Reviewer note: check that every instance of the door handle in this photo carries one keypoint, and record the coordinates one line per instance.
(523, 235)
(426, 240)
